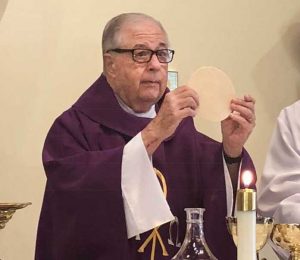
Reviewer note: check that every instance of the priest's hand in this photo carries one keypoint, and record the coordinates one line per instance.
(177, 105)
(239, 125)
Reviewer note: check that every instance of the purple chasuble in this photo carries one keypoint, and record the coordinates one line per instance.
(82, 216)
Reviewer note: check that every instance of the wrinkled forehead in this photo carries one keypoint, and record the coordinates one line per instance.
(142, 32)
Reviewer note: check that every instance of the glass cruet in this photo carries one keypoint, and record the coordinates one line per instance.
(194, 246)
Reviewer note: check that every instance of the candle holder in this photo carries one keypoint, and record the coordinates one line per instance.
(7, 210)
(287, 236)
(263, 227)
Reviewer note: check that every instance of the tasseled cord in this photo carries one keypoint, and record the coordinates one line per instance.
(155, 234)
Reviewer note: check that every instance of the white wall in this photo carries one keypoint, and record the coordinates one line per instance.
(50, 52)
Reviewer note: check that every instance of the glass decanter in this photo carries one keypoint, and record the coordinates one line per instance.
(194, 246)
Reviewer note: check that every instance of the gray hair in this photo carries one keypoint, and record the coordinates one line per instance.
(110, 35)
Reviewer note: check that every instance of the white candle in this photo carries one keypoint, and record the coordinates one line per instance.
(246, 220)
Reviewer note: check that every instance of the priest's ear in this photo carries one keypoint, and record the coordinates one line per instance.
(109, 66)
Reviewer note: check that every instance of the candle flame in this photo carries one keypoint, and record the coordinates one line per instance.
(247, 178)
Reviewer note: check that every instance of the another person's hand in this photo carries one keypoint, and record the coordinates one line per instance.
(177, 105)
(239, 125)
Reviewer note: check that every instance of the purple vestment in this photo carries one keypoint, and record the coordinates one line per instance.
(82, 216)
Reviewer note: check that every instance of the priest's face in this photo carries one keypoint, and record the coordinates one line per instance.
(139, 85)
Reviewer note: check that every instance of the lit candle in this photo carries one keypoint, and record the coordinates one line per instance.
(246, 220)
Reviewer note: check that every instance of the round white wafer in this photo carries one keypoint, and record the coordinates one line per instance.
(215, 90)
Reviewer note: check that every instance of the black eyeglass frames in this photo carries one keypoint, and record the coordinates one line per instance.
(145, 55)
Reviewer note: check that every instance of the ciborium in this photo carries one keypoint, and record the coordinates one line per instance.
(264, 228)
(7, 210)
(287, 236)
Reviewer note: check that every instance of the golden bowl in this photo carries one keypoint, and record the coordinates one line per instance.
(8, 209)
(287, 236)
(264, 228)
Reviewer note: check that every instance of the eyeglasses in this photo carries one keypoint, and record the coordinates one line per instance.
(145, 55)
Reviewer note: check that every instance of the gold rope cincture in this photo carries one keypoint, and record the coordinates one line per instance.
(155, 234)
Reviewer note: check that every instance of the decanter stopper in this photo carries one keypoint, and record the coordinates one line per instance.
(194, 246)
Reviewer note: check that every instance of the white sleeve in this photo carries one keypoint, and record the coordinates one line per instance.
(279, 192)
(144, 202)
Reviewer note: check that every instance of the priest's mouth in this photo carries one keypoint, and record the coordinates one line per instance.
(151, 83)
